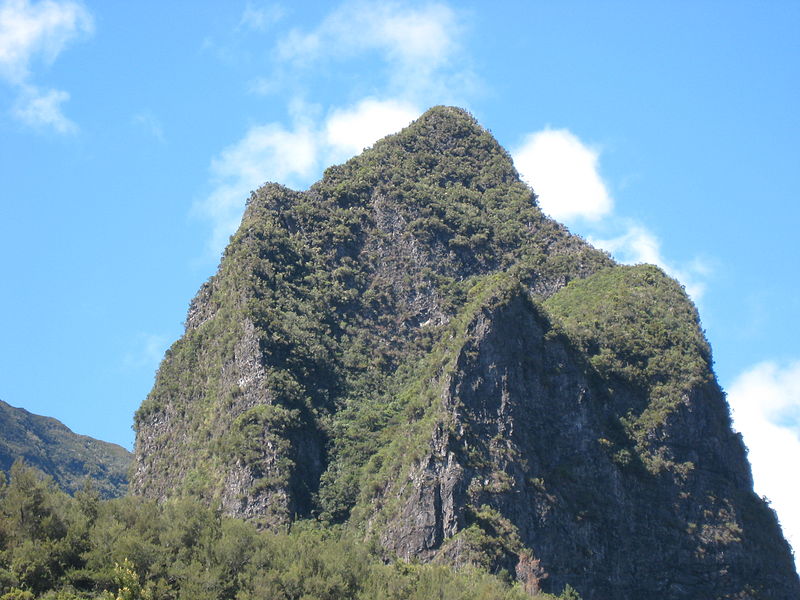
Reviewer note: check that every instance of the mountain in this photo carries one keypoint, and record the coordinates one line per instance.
(69, 458)
(411, 348)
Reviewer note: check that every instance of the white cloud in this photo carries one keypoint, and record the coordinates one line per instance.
(765, 401)
(41, 109)
(405, 35)
(349, 131)
(637, 245)
(38, 31)
(42, 29)
(564, 173)
(415, 43)
(262, 86)
(293, 156)
(416, 48)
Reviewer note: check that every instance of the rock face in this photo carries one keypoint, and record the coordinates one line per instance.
(526, 463)
(412, 349)
(70, 459)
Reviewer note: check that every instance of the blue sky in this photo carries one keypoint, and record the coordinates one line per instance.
(132, 133)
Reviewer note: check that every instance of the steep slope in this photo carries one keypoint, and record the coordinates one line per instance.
(412, 348)
(69, 458)
(534, 455)
(320, 298)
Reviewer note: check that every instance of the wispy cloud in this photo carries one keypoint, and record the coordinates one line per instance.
(765, 401)
(262, 86)
(31, 33)
(420, 62)
(637, 244)
(147, 351)
(42, 109)
(292, 155)
(417, 45)
(41, 30)
(261, 16)
(405, 35)
(151, 124)
(268, 152)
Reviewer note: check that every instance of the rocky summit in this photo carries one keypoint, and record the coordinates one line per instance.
(412, 350)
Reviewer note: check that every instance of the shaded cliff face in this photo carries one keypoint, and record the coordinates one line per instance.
(523, 460)
(410, 347)
(70, 459)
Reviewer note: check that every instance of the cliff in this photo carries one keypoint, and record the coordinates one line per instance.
(411, 348)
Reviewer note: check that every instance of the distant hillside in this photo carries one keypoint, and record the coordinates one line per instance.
(50, 446)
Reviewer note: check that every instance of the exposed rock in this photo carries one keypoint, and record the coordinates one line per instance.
(518, 467)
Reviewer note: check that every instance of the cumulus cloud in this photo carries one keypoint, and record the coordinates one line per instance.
(415, 43)
(38, 32)
(348, 131)
(765, 401)
(293, 156)
(564, 173)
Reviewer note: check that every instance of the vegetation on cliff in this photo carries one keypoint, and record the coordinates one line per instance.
(323, 301)
(640, 331)
(410, 353)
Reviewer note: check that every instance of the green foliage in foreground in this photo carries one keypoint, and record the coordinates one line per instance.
(57, 547)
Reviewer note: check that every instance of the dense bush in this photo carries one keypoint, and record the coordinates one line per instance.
(57, 547)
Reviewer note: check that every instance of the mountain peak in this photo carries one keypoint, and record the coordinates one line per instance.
(445, 155)
(446, 121)
(410, 347)
(447, 130)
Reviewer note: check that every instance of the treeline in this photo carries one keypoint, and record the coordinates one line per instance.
(58, 547)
